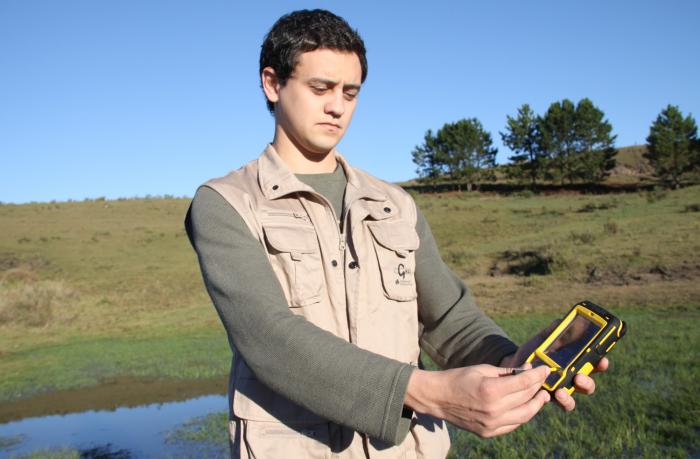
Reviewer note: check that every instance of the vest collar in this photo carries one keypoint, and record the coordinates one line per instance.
(276, 180)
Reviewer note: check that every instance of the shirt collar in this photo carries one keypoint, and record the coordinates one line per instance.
(276, 180)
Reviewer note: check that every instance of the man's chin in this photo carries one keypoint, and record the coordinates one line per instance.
(317, 154)
(321, 149)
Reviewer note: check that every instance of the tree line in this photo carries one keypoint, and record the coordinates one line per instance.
(569, 143)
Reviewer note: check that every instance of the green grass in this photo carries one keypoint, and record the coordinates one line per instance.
(645, 405)
(207, 435)
(82, 362)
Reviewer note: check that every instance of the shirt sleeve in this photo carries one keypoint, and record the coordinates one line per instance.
(455, 331)
(310, 366)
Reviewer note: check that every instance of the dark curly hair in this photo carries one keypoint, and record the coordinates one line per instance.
(307, 30)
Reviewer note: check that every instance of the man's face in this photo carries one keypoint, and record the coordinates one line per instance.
(314, 108)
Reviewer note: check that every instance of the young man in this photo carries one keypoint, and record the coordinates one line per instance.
(329, 282)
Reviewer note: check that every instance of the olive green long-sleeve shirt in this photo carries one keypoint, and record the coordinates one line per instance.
(245, 291)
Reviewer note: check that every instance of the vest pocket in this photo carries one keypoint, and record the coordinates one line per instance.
(278, 440)
(296, 260)
(395, 243)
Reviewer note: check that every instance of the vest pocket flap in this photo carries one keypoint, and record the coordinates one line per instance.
(395, 235)
(292, 239)
(381, 210)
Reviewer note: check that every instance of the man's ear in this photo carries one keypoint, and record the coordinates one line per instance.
(270, 84)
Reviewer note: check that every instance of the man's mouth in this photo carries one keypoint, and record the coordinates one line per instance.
(330, 125)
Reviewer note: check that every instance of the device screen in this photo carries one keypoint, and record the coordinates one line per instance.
(572, 340)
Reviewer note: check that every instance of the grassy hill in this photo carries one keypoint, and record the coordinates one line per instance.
(631, 165)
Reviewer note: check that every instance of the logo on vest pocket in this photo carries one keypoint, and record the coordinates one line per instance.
(404, 275)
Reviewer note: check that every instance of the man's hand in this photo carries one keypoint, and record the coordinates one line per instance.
(483, 399)
(582, 383)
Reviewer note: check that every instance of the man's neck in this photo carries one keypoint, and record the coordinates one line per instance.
(301, 162)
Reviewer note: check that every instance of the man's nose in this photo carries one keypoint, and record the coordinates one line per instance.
(335, 106)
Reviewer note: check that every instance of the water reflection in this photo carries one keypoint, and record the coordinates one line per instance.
(137, 432)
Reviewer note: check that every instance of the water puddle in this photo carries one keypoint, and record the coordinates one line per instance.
(156, 429)
(121, 392)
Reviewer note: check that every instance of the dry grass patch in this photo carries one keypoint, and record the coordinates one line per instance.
(32, 304)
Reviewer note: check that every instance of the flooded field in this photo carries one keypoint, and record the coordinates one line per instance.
(126, 425)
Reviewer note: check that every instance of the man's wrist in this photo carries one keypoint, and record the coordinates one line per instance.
(423, 392)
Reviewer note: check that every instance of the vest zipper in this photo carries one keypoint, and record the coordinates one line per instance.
(341, 233)
(345, 222)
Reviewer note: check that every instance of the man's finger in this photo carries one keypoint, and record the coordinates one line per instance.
(602, 365)
(584, 384)
(500, 431)
(522, 413)
(516, 399)
(522, 381)
(565, 400)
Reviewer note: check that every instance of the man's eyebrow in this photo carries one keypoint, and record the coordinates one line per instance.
(328, 82)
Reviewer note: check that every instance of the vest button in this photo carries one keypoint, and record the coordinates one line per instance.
(387, 210)
(274, 187)
(334, 263)
(352, 264)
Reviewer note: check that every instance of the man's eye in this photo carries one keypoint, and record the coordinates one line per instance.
(319, 89)
(350, 94)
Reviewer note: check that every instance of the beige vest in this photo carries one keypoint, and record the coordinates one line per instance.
(357, 283)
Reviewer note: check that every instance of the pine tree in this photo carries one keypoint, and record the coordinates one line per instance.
(578, 141)
(672, 145)
(462, 150)
(424, 156)
(558, 140)
(595, 142)
(522, 136)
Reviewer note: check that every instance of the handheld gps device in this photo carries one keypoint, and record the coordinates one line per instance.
(586, 334)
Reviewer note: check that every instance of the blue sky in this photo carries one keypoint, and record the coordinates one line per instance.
(131, 97)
